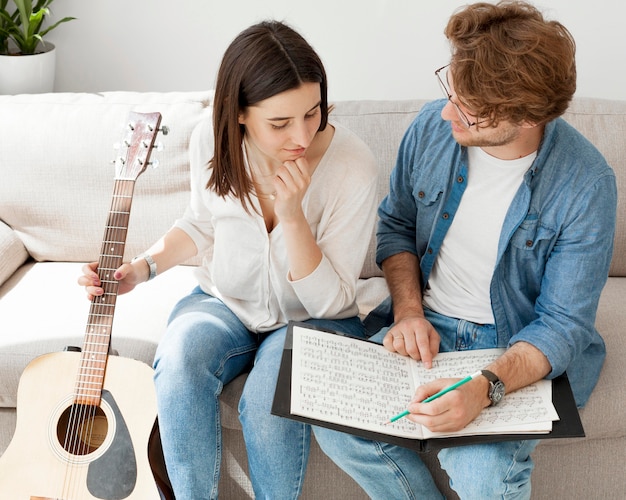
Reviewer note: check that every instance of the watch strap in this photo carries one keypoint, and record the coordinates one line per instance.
(151, 264)
(496, 387)
(492, 377)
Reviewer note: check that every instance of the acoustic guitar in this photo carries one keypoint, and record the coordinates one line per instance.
(86, 418)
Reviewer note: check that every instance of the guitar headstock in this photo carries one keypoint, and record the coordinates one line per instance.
(138, 142)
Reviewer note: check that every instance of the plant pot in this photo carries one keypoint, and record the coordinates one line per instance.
(33, 74)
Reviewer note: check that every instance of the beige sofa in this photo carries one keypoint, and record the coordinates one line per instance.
(57, 179)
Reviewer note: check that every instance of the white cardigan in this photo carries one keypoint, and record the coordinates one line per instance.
(247, 268)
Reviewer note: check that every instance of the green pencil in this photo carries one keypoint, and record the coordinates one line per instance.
(437, 395)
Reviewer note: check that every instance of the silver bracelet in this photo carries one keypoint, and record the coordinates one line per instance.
(151, 264)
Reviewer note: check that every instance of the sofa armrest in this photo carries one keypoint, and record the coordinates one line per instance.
(13, 252)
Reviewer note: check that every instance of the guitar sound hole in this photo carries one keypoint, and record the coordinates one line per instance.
(82, 429)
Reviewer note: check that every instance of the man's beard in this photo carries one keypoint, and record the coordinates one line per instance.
(498, 137)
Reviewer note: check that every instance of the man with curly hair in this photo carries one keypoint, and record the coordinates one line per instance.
(497, 232)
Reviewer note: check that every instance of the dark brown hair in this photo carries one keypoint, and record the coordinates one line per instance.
(509, 63)
(264, 60)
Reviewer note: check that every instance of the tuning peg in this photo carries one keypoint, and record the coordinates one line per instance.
(118, 145)
(158, 146)
(164, 129)
(154, 163)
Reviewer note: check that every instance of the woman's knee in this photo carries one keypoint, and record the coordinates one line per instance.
(258, 391)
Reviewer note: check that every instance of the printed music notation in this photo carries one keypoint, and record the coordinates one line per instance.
(361, 385)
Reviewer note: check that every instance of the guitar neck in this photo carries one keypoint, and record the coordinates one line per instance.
(97, 340)
(139, 141)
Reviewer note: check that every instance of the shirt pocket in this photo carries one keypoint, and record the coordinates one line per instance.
(532, 243)
(239, 265)
(427, 205)
(427, 196)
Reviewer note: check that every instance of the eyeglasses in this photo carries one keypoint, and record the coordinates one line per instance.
(445, 87)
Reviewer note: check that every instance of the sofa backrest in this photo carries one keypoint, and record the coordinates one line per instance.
(57, 176)
(381, 125)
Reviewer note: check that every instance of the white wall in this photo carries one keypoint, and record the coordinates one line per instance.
(372, 49)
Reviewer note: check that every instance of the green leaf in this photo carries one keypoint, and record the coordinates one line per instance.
(24, 25)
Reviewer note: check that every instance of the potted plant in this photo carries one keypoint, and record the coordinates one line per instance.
(27, 62)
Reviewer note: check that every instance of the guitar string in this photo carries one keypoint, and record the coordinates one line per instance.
(83, 416)
(77, 415)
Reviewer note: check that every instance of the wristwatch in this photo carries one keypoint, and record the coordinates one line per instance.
(496, 387)
(151, 264)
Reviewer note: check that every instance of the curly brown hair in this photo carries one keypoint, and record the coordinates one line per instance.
(509, 63)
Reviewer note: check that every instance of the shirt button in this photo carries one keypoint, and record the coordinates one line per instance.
(429, 251)
(460, 178)
(421, 194)
(446, 216)
(529, 243)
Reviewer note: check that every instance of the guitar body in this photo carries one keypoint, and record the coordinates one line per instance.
(114, 465)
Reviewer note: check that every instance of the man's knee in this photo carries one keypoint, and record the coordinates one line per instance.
(493, 470)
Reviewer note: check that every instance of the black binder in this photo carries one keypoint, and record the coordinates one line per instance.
(569, 425)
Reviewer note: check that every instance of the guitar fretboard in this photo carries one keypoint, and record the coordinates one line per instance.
(139, 141)
(99, 324)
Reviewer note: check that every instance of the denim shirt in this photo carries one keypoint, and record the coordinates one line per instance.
(554, 250)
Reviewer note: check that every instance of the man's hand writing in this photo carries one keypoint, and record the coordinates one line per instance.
(452, 411)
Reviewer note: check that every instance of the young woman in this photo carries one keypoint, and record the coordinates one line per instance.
(281, 200)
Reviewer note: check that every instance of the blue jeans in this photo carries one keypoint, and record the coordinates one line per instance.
(477, 472)
(205, 347)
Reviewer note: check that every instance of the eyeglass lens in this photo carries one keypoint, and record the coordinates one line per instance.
(442, 78)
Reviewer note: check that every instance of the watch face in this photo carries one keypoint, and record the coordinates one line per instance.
(496, 393)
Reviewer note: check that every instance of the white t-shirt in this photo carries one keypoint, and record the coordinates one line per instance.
(461, 277)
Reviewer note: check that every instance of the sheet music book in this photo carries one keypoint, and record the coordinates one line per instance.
(352, 385)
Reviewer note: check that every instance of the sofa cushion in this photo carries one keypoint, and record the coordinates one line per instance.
(60, 207)
(42, 310)
(13, 252)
